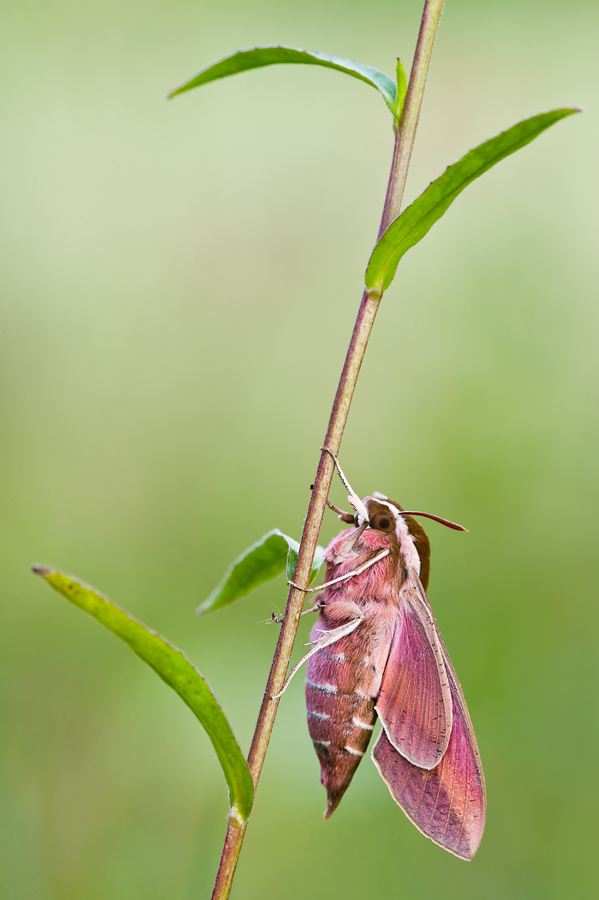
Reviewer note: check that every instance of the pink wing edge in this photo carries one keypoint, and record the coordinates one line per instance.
(447, 803)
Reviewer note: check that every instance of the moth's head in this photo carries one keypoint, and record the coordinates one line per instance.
(379, 514)
(372, 512)
(382, 515)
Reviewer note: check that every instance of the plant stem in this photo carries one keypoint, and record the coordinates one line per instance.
(404, 142)
(406, 133)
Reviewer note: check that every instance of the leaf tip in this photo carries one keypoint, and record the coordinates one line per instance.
(568, 111)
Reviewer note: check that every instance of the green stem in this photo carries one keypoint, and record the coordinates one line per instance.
(406, 133)
(404, 143)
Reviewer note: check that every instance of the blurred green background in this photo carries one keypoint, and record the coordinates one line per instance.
(179, 283)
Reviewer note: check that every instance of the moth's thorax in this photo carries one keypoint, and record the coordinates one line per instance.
(375, 589)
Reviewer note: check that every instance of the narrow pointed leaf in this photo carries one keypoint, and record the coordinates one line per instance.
(411, 226)
(175, 669)
(256, 57)
(264, 560)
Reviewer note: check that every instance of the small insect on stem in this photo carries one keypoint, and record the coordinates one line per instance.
(377, 653)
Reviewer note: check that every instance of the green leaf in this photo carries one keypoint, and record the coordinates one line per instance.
(256, 57)
(264, 560)
(175, 669)
(292, 560)
(411, 226)
(402, 89)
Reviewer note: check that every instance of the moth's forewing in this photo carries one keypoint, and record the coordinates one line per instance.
(447, 803)
(414, 702)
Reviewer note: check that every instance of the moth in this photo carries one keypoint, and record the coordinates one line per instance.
(377, 652)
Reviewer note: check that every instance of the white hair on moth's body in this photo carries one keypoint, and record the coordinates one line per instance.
(360, 724)
(353, 752)
(365, 696)
(328, 688)
(407, 547)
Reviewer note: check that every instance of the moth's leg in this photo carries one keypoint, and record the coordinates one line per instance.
(353, 498)
(328, 638)
(312, 609)
(345, 517)
(349, 575)
(340, 471)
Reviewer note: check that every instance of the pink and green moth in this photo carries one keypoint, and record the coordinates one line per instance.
(377, 652)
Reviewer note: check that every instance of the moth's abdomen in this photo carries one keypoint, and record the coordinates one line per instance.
(341, 689)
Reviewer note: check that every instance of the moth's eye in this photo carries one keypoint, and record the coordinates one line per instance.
(383, 522)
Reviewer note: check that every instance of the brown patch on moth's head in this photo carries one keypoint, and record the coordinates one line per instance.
(421, 542)
(380, 516)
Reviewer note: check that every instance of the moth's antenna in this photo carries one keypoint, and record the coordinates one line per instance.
(406, 512)
(409, 512)
(353, 498)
